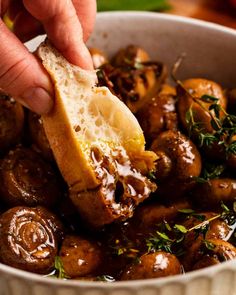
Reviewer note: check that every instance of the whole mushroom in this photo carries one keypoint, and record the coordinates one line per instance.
(178, 163)
(159, 114)
(153, 265)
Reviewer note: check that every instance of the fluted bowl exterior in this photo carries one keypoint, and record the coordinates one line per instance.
(216, 280)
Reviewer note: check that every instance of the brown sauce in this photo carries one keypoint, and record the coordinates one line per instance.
(122, 185)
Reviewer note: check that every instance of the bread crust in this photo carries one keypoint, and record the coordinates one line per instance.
(93, 136)
(75, 168)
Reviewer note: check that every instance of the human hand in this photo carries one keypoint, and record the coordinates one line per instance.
(67, 23)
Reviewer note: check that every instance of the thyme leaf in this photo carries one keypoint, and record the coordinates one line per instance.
(229, 216)
(59, 269)
(151, 175)
(181, 228)
(159, 242)
(163, 236)
(209, 98)
(206, 139)
(209, 245)
(231, 148)
(124, 247)
(210, 171)
(186, 211)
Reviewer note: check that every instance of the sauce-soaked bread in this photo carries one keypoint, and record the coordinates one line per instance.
(94, 137)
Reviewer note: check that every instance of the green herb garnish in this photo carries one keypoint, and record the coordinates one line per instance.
(181, 228)
(186, 211)
(209, 245)
(59, 269)
(229, 216)
(124, 247)
(159, 241)
(155, 5)
(151, 175)
(209, 98)
(192, 213)
(224, 127)
(210, 171)
(231, 148)
(172, 241)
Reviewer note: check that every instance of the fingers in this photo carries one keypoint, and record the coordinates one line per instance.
(26, 26)
(63, 28)
(21, 75)
(3, 6)
(13, 8)
(86, 11)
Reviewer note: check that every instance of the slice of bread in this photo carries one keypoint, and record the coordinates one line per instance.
(91, 132)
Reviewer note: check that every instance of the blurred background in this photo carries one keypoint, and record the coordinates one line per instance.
(218, 11)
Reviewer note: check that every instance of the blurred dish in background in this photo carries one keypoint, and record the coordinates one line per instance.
(217, 11)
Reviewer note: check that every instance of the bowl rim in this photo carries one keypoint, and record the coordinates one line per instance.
(166, 16)
(207, 272)
(181, 278)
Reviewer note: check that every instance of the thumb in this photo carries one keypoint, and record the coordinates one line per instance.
(21, 74)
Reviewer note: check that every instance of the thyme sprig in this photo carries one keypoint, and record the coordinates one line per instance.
(204, 138)
(160, 241)
(58, 271)
(171, 239)
(224, 128)
(210, 171)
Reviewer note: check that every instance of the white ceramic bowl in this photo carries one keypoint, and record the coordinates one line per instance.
(211, 53)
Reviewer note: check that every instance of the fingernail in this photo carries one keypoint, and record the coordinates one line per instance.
(37, 99)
